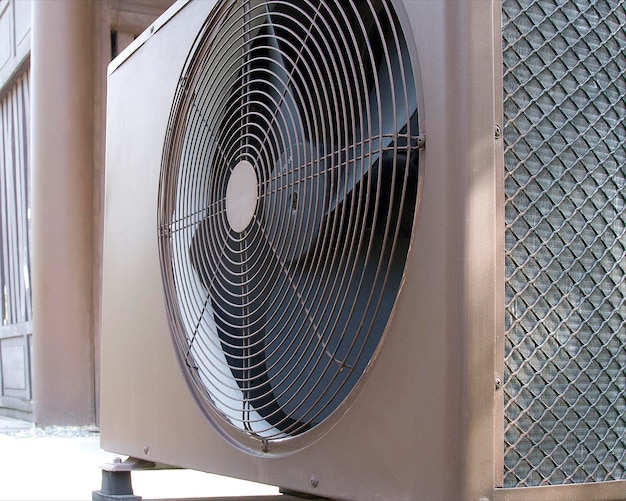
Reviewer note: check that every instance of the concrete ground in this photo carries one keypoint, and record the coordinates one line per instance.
(64, 464)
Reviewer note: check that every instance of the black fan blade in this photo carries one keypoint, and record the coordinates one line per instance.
(299, 199)
(240, 327)
(335, 325)
(287, 120)
(296, 200)
(393, 109)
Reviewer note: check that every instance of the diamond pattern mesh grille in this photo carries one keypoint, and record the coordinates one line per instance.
(565, 182)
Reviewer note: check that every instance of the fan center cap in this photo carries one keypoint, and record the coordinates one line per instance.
(242, 194)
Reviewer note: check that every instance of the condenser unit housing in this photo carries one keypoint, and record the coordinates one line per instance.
(371, 249)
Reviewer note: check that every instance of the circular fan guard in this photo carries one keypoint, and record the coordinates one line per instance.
(287, 195)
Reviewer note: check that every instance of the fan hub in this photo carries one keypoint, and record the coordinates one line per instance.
(242, 194)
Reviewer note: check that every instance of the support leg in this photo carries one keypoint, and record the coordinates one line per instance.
(116, 483)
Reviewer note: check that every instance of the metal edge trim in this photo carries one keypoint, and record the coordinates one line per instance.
(611, 490)
(499, 348)
(146, 35)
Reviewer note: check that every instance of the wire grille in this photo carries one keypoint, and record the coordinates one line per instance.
(565, 182)
(288, 189)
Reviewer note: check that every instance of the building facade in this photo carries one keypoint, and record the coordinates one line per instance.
(53, 63)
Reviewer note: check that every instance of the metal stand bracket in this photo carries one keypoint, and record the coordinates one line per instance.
(117, 486)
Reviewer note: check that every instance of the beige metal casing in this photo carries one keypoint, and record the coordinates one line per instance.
(426, 421)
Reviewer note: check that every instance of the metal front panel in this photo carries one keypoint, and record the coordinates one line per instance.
(565, 183)
(417, 428)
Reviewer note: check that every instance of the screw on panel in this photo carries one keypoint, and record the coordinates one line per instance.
(314, 481)
(498, 383)
(146, 450)
(498, 133)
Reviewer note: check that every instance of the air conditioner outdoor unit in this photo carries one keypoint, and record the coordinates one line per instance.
(371, 249)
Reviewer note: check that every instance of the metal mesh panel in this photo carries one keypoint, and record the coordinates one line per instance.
(565, 181)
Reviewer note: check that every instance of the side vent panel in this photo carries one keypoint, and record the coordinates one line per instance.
(565, 159)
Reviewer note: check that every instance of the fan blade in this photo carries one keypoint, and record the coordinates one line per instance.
(332, 340)
(297, 199)
(240, 327)
(287, 121)
(371, 142)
